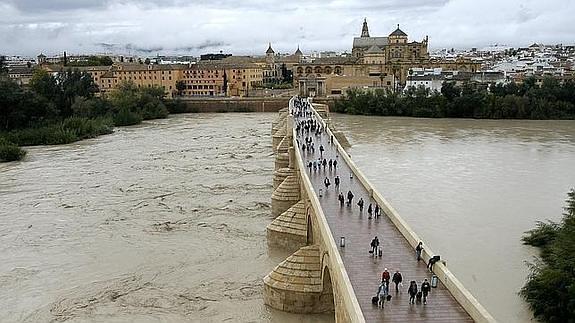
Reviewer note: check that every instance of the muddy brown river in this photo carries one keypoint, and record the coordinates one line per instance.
(162, 222)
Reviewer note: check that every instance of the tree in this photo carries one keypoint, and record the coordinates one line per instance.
(147, 61)
(550, 288)
(450, 91)
(3, 67)
(46, 86)
(180, 86)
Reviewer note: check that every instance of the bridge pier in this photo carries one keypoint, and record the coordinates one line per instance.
(279, 134)
(297, 285)
(289, 230)
(279, 120)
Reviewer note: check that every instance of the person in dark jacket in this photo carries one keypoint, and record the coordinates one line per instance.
(412, 291)
(425, 289)
(397, 279)
(418, 250)
(369, 210)
(360, 204)
(385, 277)
(341, 199)
(349, 197)
(336, 180)
(374, 244)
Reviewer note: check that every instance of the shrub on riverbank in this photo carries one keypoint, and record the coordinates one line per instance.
(551, 100)
(63, 132)
(10, 151)
(550, 288)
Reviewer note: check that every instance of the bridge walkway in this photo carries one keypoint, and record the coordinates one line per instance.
(364, 270)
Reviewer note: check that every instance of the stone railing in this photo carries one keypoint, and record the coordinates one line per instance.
(343, 291)
(459, 292)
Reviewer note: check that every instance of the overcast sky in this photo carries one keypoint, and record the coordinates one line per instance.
(28, 27)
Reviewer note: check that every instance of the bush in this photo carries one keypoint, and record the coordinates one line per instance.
(154, 110)
(64, 132)
(125, 117)
(550, 288)
(10, 152)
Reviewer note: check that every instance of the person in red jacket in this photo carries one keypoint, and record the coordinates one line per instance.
(385, 277)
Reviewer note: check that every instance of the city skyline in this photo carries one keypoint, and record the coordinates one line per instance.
(152, 27)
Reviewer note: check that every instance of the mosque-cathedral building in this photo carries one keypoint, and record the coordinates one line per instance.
(375, 62)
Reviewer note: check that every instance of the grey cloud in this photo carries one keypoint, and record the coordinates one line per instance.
(54, 5)
(245, 27)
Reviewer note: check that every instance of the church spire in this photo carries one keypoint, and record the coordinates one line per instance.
(364, 29)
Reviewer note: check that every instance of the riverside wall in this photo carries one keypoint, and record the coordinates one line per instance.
(249, 104)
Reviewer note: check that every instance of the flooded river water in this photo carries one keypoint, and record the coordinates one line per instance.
(162, 222)
(470, 188)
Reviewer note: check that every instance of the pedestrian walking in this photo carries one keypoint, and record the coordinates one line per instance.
(369, 210)
(418, 250)
(374, 245)
(330, 163)
(335, 164)
(412, 291)
(341, 199)
(349, 198)
(360, 204)
(326, 183)
(425, 289)
(397, 279)
(324, 163)
(382, 293)
(336, 180)
(376, 211)
(385, 277)
(321, 150)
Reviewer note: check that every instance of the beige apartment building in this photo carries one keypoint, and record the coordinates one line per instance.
(233, 76)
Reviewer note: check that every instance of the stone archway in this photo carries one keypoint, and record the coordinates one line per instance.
(309, 238)
(326, 298)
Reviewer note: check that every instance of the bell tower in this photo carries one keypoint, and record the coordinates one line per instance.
(364, 29)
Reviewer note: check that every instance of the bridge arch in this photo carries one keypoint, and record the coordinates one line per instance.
(309, 235)
(326, 298)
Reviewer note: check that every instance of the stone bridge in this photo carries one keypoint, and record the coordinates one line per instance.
(325, 275)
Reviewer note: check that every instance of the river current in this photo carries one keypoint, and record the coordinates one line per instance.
(470, 189)
(161, 222)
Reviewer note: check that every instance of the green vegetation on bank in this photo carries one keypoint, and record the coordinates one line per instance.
(550, 288)
(551, 100)
(10, 151)
(63, 109)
